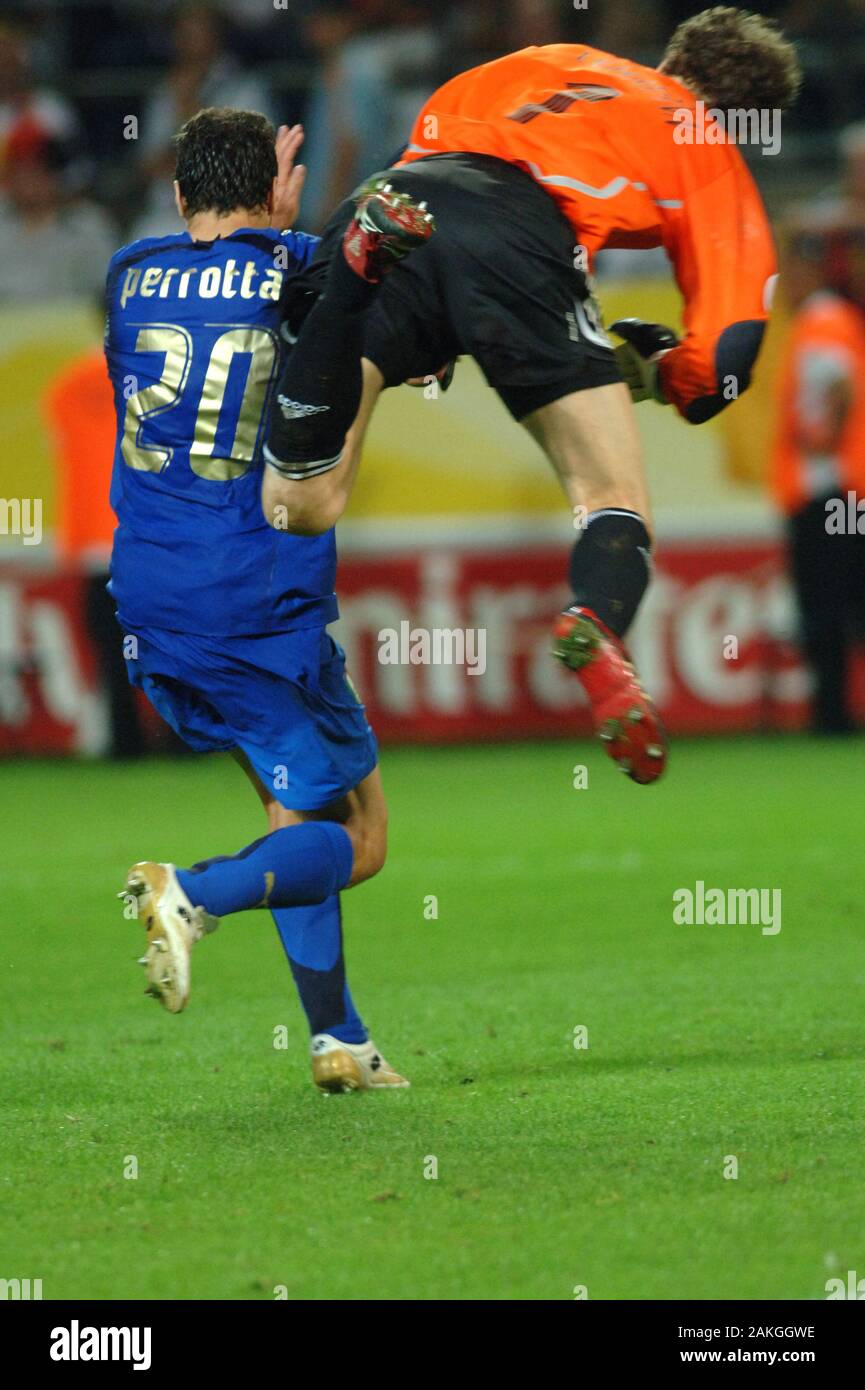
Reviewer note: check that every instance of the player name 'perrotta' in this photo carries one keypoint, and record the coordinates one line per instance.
(214, 282)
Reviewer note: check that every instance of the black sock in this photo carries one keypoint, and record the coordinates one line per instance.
(610, 567)
(318, 393)
(347, 290)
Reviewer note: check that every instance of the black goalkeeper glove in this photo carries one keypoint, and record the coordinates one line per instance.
(638, 356)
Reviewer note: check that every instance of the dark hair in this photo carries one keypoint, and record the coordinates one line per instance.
(734, 59)
(226, 159)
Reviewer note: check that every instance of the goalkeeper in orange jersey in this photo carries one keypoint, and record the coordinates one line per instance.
(530, 165)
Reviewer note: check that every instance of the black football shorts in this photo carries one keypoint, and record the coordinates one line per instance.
(499, 281)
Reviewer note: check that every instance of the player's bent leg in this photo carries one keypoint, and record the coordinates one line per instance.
(312, 505)
(297, 865)
(344, 1058)
(362, 813)
(591, 439)
(366, 823)
(319, 390)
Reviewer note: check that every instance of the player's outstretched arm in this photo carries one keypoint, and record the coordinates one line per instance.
(721, 247)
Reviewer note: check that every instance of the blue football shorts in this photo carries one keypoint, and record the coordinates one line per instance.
(284, 699)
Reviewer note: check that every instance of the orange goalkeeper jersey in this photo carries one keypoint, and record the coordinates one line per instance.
(605, 138)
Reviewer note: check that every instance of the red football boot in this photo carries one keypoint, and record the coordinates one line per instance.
(622, 712)
(386, 227)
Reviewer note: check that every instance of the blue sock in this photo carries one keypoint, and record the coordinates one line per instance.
(296, 865)
(312, 940)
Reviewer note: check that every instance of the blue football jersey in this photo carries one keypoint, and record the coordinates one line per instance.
(192, 347)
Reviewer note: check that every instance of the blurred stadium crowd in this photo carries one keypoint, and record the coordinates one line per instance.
(92, 91)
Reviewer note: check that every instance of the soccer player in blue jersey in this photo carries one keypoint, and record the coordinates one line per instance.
(224, 618)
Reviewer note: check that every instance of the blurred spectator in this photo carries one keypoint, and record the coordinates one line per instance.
(818, 457)
(23, 106)
(638, 31)
(535, 22)
(832, 19)
(258, 27)
(384, 78)
(202, 74)
(79, 407)
(380, 59)
(472, 35)
(845, 203)
(369, 92)
(325, 29)
(852, 145)
(50, 247)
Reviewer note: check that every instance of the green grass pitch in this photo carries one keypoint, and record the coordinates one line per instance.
(601, 1167)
